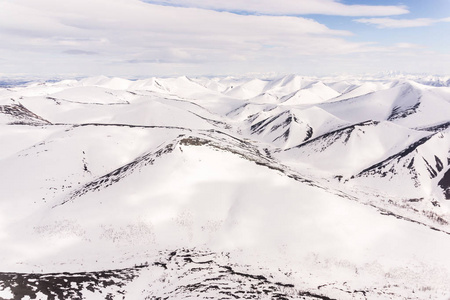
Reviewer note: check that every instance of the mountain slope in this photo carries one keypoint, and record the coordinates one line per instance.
(355, 146)
(421, 165)
(168, 204)
(225, 188)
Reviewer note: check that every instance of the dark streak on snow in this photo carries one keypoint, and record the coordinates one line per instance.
(58, 102)
(389, 213)
(120, 173)
(444, 183)
(329, 138)
(124, 125)
(25, 116)
(436, 128)
(377, 167)
(399, 112)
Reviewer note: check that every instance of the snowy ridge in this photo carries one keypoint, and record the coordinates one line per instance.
(18, 114)
(226, 188)
(115, 176)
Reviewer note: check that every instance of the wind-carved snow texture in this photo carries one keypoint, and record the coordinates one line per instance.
(226, 188)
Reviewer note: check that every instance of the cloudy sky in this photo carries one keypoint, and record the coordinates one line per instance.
(136, 38)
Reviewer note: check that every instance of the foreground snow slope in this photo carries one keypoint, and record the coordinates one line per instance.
(226, 188)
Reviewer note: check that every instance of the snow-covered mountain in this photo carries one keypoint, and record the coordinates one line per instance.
(225, 188)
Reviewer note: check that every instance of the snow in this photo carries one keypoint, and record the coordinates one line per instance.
(247, 90)
(314, 93)
(195, 187)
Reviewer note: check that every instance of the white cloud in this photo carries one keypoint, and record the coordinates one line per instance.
(133, 38)
(289, 7)
(131, 32)
(79, 52)
(401, 23)
(408, 46)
